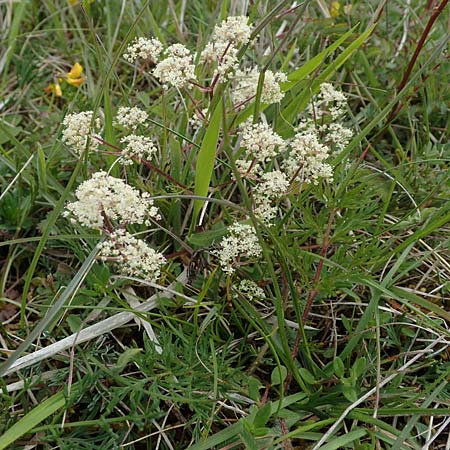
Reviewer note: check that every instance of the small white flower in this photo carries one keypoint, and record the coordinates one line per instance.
(260, 141)
(225, 55)
(132, 256)
(138, 147)
(251, 290)
(247, 85)
(234, 29)
(337, 135)
(328, 101)
(241, 243)
(78, 131)
(308, 158)
(249, 169)
(272, 186)
(177, 68)
(130, 118)
(104, 196)
(142, 48)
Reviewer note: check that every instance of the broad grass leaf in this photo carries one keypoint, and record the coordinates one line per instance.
(206, 157)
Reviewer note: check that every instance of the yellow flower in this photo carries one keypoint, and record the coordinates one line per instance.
(74, 77)
(54, 88)
(334, 10)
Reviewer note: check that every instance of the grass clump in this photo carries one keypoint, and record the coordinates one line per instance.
(224, 227)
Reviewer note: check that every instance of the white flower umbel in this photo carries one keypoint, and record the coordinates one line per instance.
(307, 158)
(133, 257)
(241, 243)
(336, 135)
(130, 118)
(248, 169)
(272, 186)
(145, 49)
(78, 131)
(105, 198)
(247, 85)
(251, 290)
(177, 68)
(225, 55)
(138, 147)
(225, 42)
(328, 101)
(260, 141)
(234, 30)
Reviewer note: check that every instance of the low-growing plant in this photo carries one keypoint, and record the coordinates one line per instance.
(236, 261)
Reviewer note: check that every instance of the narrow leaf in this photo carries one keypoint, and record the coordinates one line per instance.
(206, 157)
(30, 420)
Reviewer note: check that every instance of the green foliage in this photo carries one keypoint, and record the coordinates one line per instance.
(211, 366)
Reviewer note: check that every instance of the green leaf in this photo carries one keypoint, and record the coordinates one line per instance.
(342, 441)
(228, 434)
(126, 357)
(206, 157)
(262, 416)
(42, 169)
(307, 376)
(206, 238)
(278, 376)
(254, 385)
(74, 323)
(338, 366)
(70, 290)
(30, 420)
(359, 367)
(349, 393)
(314, 62)
(294, 107)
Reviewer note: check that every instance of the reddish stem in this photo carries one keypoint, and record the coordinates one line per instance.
(147, 164)
(437, 11)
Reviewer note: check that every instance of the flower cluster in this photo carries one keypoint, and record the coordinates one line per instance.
(251, 290)
(223, 48)
(241, 243)
(104, 199)
(177, 68)
(133, 257)
(130, 118)
(234, 30)
(145, 49)
(261, 142)
(307, 158)
(246, 86)
(78, 132)
(138, 147)
(329, 101)
(272, 186)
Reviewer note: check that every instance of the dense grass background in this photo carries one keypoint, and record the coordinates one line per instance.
(371, 366)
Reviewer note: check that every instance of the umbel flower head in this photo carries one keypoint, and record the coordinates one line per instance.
(133, 257)
(130, 117)
(247, 85)
(177, 68)
(234, 30)
(144, 49)
(78, 131)
(137, 147)
(225, 42)
(261, 142)
(308, 158)
(241, 243)
(271, 187)
(104, 199)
